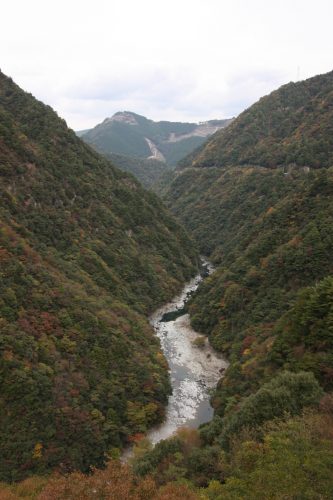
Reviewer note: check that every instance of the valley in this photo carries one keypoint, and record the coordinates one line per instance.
(146, 148)
(110, 337)
(194, 369)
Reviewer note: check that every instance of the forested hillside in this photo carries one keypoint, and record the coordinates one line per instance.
(269, 308)
(147, 171)
(277, 239)
(269, 304)
(85, 255)
(293, 125)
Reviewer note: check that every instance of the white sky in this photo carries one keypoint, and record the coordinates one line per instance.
(186, 60)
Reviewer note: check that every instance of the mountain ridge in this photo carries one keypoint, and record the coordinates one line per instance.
(292, 125)
(131, 134)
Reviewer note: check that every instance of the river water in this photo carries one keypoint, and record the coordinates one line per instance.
(194, 371)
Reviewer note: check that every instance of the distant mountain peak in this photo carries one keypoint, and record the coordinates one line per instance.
(122, 117)
(129, 134)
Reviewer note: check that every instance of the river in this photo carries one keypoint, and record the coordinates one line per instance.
(194, 371)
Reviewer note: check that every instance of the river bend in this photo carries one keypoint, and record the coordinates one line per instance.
(194, 371)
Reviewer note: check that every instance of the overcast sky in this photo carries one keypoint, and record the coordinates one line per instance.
(186, 60)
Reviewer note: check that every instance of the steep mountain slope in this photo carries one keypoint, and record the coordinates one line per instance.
(294, 124)
(85, 254)
(271, 235)
(271, 230)
(267, 222)
(130, 134)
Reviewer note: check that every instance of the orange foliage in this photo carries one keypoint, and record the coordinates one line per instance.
(4, 255)
(136, 438)
(190, 438)
(247, 341)
(6, 494)
(8, 355)
(37, 324)
(264, 262)
(270, 211)
(295, 241)
(173, 491)
(116, 482)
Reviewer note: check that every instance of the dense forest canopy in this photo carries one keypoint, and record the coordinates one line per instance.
(147, 171)
(292, 125)
(85, 254)
(263, 211)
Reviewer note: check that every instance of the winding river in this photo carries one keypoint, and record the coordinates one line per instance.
(194, 371)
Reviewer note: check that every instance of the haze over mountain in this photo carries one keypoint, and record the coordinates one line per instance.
(85, 254)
